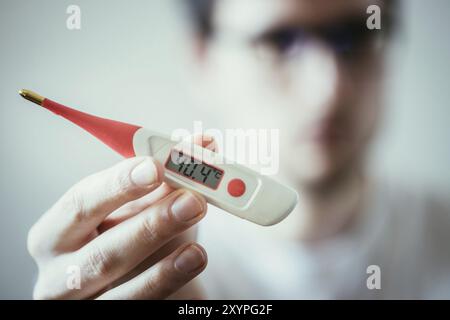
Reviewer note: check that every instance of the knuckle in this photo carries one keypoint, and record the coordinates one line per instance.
(150, 287)
(160, 285)
(159, 226)
(99, 264)
(117, 181)
(122, 182)
(73, 202)
(163, 282)
(150, 232)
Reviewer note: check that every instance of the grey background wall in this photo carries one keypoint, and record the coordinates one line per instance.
(127, 62)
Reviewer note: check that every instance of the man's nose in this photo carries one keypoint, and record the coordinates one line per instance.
(320, 80)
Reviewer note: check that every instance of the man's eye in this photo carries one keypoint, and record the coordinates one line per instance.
(284, 41)
(346, 40)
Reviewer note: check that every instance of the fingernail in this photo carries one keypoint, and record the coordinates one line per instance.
(145, 173)
(186, 207)
(190, 259)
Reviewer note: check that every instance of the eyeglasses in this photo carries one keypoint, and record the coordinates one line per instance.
(347, 40)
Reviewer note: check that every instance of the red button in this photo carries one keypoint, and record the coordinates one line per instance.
(236, 187)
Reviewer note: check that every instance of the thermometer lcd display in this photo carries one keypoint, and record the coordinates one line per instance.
(193, 169)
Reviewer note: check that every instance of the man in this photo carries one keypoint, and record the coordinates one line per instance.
(313, 70)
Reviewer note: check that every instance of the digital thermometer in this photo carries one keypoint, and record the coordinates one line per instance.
(234, 188)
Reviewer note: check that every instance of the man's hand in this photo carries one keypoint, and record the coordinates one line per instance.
(119, 228)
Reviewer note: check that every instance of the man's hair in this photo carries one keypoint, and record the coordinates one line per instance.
(201, 15)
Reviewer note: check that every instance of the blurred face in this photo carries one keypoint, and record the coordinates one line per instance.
(311, 69)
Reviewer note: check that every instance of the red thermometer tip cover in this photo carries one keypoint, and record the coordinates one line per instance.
(117, 135)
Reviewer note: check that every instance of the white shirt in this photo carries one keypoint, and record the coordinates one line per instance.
(407, 235)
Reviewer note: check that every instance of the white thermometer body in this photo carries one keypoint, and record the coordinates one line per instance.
(232, 187)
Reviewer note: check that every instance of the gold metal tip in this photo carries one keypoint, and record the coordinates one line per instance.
(32, 96)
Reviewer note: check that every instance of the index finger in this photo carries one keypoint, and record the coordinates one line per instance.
(73, 220)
